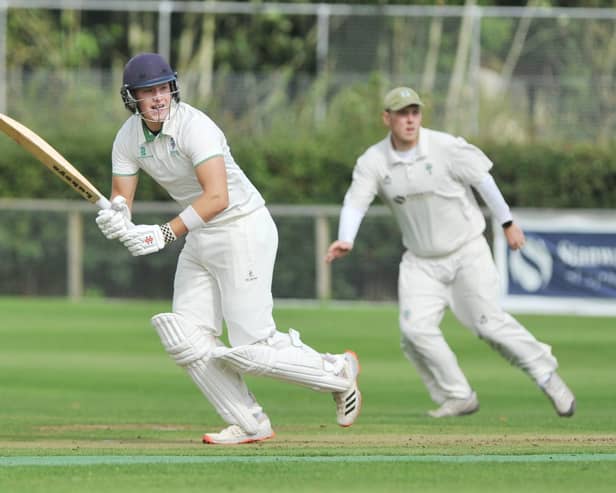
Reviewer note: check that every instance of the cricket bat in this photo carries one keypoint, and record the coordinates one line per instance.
(51, 158)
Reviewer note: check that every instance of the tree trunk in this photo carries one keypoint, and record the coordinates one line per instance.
(456, 83)
(196, 58)
(141, 29)
(517, 44)
(429, 73)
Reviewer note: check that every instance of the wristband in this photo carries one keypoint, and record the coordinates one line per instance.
(168, 234)
(191, 219)
(507, 224)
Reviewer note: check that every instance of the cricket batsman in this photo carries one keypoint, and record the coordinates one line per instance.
(224, 271)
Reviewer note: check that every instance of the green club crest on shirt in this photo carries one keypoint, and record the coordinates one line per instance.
(144, 151)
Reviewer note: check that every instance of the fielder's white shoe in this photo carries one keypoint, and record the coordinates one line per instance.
(456, 407)
(561, 396)
(348, 403)
(235, 435)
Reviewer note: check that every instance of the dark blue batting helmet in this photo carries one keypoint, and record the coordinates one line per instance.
(146, 70)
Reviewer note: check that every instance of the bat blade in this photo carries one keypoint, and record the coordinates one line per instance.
(53, 160)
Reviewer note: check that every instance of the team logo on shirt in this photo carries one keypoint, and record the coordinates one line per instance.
(429, 168)
(143, 151)
(173, 147)
(251, 276)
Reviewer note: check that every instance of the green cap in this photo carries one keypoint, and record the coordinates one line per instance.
(401, 97)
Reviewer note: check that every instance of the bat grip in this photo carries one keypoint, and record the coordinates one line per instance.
(103, 203)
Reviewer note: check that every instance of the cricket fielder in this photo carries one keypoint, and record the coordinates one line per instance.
(224, 271)
(425, 178)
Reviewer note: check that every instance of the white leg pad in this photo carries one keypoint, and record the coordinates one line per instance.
(286, 357)
(191, 349)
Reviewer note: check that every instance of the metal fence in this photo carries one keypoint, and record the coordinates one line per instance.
(502, 72)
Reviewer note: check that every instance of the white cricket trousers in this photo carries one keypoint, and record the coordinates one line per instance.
(224, 272)
(467, 282)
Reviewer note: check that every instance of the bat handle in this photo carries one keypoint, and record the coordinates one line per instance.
(103, 203)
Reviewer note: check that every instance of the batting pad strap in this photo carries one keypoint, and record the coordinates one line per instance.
(191, 219)
(287, 361)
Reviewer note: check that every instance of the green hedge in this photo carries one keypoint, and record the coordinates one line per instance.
(315, 167)
(541, 175)
(553, 175)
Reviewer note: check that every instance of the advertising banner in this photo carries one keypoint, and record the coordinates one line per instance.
(568, 264)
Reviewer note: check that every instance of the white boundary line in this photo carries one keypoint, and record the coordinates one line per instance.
(97, 460)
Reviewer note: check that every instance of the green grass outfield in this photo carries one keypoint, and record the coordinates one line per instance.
(89, 402)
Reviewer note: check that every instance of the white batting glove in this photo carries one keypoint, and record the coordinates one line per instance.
(116, 221)
(147, 238)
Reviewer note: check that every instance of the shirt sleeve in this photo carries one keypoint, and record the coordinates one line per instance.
(122, 163)
(364, 186)
(202, 139)
(469, 164)
(350, 220)
(492, 196)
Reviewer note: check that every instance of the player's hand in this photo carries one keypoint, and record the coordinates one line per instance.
(143, 239)
(338, 249)
(116, 221)
(515, 236)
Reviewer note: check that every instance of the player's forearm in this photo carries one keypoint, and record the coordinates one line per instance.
(210, 204)
(204, 208)
(124, 186)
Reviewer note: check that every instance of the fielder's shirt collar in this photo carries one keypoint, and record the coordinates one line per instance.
(422, 148)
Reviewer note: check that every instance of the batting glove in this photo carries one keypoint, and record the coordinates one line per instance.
(115, 222)
(147, 238)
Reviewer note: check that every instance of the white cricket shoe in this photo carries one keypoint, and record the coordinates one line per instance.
(561, 396)
(348, 403)
(456, 407)
(235, 435)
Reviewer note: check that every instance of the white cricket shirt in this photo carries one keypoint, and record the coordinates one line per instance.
(429, 193)
(187, 140)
